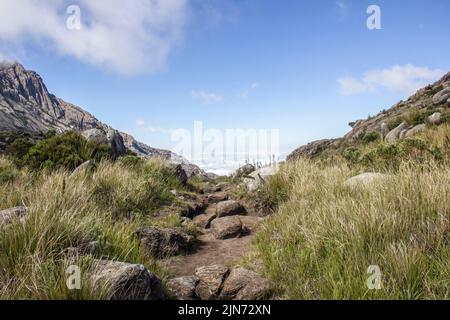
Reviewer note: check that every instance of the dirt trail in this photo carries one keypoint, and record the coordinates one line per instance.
(213, 251)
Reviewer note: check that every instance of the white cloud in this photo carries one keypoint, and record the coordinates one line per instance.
(127, 37)
(140, 122)
(404, 79)
(244, 94)
(207, 97)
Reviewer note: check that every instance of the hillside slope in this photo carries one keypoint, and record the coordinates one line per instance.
(27, 106)
(404, 119)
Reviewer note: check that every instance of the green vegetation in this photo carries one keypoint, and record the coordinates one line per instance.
(68, 210)
(325, 235)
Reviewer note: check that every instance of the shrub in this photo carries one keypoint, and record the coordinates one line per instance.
(371, 137)
(67, 150)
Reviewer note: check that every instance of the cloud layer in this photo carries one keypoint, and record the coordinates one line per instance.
(207, 97)
(404, 79)
(127, 37)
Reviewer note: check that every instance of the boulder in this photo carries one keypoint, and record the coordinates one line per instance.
(183, 288)
(95, 135)
(217, 197)
(442, 96)
(243, 284)
(394, 134)
(415, 130)
(115, 142)
(227, 227)
(204, 220)
(210, 281)
(164, 242)
(365, 179)
(260, 176)
(8, 215)
(435, 118)
(229, 208)
(124, 281)
(244, 170)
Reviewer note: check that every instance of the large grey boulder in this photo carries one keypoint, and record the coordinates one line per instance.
(244, 170)
(7, 216)
(260, 176)
(183, 288)
(417, 129)
(442, 96)
(210, 281)
(227, 227)
(435, 118)
(164, 242)
(123, 281)
(243, 284)
(229, 208)
(394, 134)
(115, 142)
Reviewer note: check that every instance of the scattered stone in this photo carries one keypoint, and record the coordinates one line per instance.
(8, 215)
(435, 118)
(365, 179)
(229, 208)
(164, 242)
(204, 220)
(210, 281)
(185, 221)
(415, 130)
(217, 197)
(124, 281)
(243, 284)
(442, 96)
(394, 134)
(227, 227)
(183, 288)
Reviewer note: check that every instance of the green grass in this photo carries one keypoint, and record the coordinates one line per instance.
(324, 236)
(66, 210)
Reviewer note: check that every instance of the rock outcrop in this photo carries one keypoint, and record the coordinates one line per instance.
(124, 281)
(27, 106)
(164, 242)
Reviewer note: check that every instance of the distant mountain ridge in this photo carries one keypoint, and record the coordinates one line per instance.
(390, 124)
(27, 106)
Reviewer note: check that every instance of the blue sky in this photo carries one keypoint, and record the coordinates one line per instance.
(306, 68)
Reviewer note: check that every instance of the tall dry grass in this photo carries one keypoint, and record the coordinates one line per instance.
(68, 210)
(325, 235)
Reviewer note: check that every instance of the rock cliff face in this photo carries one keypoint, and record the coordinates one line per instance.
(390, 124)
(27, 106)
